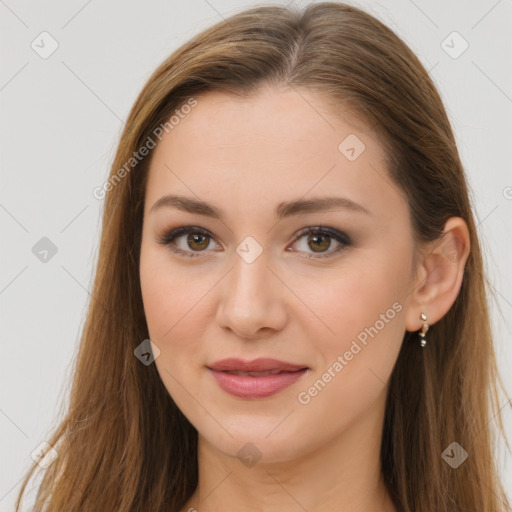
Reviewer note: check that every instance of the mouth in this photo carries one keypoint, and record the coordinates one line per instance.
(254, 374)
(233, 364)
(255, 379)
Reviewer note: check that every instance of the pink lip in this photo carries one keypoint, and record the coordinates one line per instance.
(246, 386)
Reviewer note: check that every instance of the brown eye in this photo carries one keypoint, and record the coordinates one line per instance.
(319, 243)
(197, 241)
(320, 239)
(188, 241)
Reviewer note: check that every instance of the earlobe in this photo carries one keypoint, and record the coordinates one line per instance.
(439, 277)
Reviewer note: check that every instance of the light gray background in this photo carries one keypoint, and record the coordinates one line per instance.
(61, 119)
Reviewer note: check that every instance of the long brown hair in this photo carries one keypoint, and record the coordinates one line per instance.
(123, 444)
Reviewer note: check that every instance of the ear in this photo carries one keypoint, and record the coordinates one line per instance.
(439, 275)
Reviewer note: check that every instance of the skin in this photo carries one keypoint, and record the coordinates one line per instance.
(245, 156)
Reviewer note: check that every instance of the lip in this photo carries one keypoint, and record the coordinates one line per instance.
(256, 365)
(246, 386)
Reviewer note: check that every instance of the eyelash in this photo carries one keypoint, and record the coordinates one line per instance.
(340, 237)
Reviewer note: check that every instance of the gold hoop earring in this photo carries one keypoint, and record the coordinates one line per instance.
(424, 329)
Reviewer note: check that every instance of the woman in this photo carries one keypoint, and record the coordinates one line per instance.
(289, 307)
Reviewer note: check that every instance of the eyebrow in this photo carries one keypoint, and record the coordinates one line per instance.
(283, 210)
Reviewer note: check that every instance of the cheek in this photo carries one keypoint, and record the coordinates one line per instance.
(362, 303)
(169, 296)
(366, 312)
(176, 314)
(168, 311)
(158, 303)
(363, 314)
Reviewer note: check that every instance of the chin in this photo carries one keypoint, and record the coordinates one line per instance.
(259, 440)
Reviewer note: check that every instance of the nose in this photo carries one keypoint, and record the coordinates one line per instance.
(252, 299)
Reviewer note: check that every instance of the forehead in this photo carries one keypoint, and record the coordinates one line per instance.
(278, 117)
(259, 150)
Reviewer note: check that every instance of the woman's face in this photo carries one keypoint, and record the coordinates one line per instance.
(248, 282)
